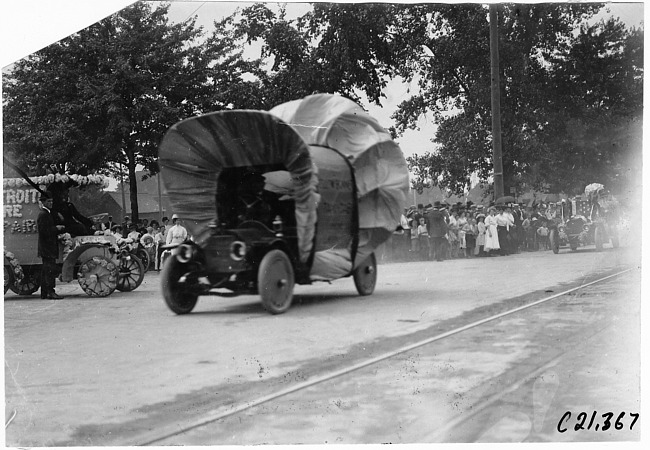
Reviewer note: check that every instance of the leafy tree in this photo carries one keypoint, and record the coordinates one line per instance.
(105, 96)
(596, 133)
(560, 84)
(335, 48)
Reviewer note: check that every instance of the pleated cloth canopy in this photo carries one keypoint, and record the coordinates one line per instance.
(380, 170)
(195, 151)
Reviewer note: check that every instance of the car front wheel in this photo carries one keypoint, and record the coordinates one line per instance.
(178, 294)
(275, 281)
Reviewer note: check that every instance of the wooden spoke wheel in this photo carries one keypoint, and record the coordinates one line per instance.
(31, 281)
(275, 281)
(130, 272)
(9, 278)
(365, 276)
(177, 292)
(143, 254)
(98, 276)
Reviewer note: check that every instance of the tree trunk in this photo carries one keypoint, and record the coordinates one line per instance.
(133, 187)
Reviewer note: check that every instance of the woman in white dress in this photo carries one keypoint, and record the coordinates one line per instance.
(479, 249)
(491, 236)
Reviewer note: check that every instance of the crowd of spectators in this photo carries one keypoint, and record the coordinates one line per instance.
(441, 231)
(151, 236)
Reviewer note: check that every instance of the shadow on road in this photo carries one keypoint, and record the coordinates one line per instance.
(253, 305)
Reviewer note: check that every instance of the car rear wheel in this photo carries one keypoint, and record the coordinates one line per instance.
(178, 294)
(599, 238)
(365, 276)
(615, 241)
(555, 241)
(275, 281)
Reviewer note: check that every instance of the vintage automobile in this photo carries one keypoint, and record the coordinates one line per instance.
(303, 193)
(94, 260)
(590, 220)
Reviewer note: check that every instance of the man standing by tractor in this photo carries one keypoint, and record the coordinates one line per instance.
(48, 246)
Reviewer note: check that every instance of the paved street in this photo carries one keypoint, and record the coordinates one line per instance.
(117, 370)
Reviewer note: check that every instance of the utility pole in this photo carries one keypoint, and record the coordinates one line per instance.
(496, 104)
(160, 208)
(124, 212)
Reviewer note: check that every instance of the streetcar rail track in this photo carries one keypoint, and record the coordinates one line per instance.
(158, 435)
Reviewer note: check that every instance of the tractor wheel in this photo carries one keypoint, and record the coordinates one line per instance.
(130, 273)
(98, 276)
(31, 281)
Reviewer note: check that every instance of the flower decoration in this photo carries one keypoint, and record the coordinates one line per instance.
(68, 244)
(15, 266)
(81, 180)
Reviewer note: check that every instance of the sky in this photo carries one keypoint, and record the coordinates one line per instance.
(28, 25)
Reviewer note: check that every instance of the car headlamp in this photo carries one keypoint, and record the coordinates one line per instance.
(238, 250)
(184, 253)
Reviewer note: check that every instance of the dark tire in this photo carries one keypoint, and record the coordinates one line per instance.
(365, 276)
(275, 281)
(31, 281)
(178, 297)
(98, 276)
(555, 241)
(9, 278)
(130, 273)
(599, 237)
(615, 241)
(143, 255)
(573, 244)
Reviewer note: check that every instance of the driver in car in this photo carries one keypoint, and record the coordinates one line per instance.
(256, 203)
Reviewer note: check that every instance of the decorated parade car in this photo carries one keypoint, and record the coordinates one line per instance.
(587, 220)
(303, 193)
(95, 261)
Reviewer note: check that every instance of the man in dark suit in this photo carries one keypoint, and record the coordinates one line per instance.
(438, 229)
(110, 224)
(75, 223)
(48, 246)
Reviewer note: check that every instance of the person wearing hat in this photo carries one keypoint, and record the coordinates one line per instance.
(504, 223)
(438, 231)
(518, 232)
(116, 231)
(480, 236)
(48, 246)
(177, 234)
(126, 223)
(75, 223)
(110, 224)
(491, 234)
(406, 237)
(134, 233)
